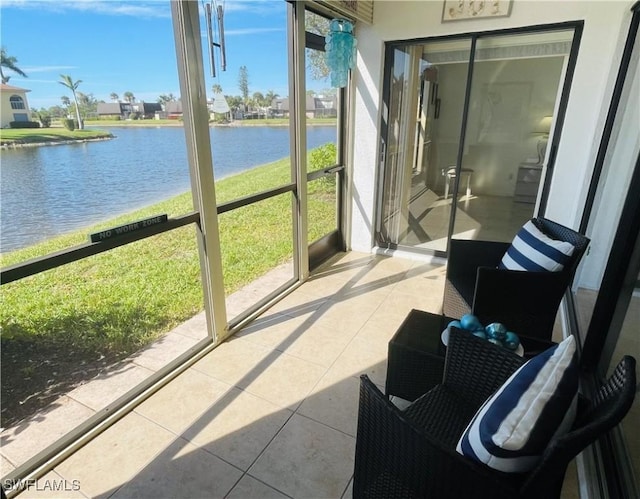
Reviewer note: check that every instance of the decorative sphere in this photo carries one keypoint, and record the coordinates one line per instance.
(480, 334)
(470, 322)
(496, 330)
(511, 340)
(454, 324)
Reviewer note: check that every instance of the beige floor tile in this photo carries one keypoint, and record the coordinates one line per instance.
(298, 304)
(183, 400)
(5, 466)
(347, 316)
(392, 264)
(52, 486)
(236, 361)
(182, 470)
(307, 459)
(237, 427)
(369, 292)
(110, 385)
(345, 265)
(325, 287)
(382, 325)
(402, 303)
(275, 330)
(27, 438)
(348, 494)
(334, 402)
(317, 344)
(162, 351)
(361, 356)
(250, 488)
(423, 279)
(115, 456)
(285, 380)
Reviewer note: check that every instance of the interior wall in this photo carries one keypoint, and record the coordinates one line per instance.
(493, 159)
(605, 24)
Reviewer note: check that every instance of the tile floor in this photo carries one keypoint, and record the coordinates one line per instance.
(272, 411)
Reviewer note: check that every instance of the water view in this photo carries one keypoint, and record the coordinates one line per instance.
(48, 191)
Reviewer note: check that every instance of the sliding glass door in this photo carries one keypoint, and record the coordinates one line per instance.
(466, 133)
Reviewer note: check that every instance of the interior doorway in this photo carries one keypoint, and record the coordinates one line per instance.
(466, 134)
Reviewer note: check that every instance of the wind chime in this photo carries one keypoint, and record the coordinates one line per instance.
(212, 9)
(340, 47)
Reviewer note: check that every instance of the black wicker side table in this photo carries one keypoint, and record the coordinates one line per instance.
(415, 362)
(416, 355)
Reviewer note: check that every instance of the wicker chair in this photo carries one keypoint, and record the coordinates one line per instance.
(526, 302)
(411, 453)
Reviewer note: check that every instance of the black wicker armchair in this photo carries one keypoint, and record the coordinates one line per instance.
(411, 453)
(527, 302)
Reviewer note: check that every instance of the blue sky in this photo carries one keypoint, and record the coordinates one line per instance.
(118, 46)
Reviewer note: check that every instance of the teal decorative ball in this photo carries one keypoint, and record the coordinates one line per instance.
(470, 322)
(496, 331)
(455, 324)
(480, 334)
(511, 340)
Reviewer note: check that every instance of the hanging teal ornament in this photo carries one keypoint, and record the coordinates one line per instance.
(340, 50)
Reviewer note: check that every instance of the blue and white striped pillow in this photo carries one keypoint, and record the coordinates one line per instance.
(511, 430)
(534, 251)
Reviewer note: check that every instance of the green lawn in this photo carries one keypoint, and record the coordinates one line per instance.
(120, 300)
(37, 135)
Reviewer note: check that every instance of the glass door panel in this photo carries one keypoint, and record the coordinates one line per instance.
(426, 86)
(467, 158)
(514, 92)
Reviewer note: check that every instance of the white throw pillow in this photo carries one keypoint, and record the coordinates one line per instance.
(514, 426)
(534, 251)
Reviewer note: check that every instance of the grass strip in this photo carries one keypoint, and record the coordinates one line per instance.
(118, 301)
(13, 136)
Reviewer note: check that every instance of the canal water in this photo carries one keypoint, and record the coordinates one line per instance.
(48, 191)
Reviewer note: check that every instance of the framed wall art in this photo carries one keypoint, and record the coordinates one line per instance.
(458, 10)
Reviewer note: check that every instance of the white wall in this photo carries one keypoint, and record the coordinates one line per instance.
(605, 27)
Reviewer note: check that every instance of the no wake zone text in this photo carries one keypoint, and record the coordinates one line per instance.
(124, 229)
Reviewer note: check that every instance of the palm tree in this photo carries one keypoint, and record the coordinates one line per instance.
(217, 89)
(129, 97)
(114, 97)
(9, 62)
(270, 96)
(73, 85)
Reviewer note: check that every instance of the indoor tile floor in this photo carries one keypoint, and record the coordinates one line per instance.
(272, 411)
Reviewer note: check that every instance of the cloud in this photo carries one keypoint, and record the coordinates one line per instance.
(30, 81)
(115, 8)
(45, 69)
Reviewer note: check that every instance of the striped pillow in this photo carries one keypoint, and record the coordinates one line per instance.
(538, 402)
(534, 251)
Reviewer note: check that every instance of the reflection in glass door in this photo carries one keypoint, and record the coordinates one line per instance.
(514, 95)
(465, 135)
